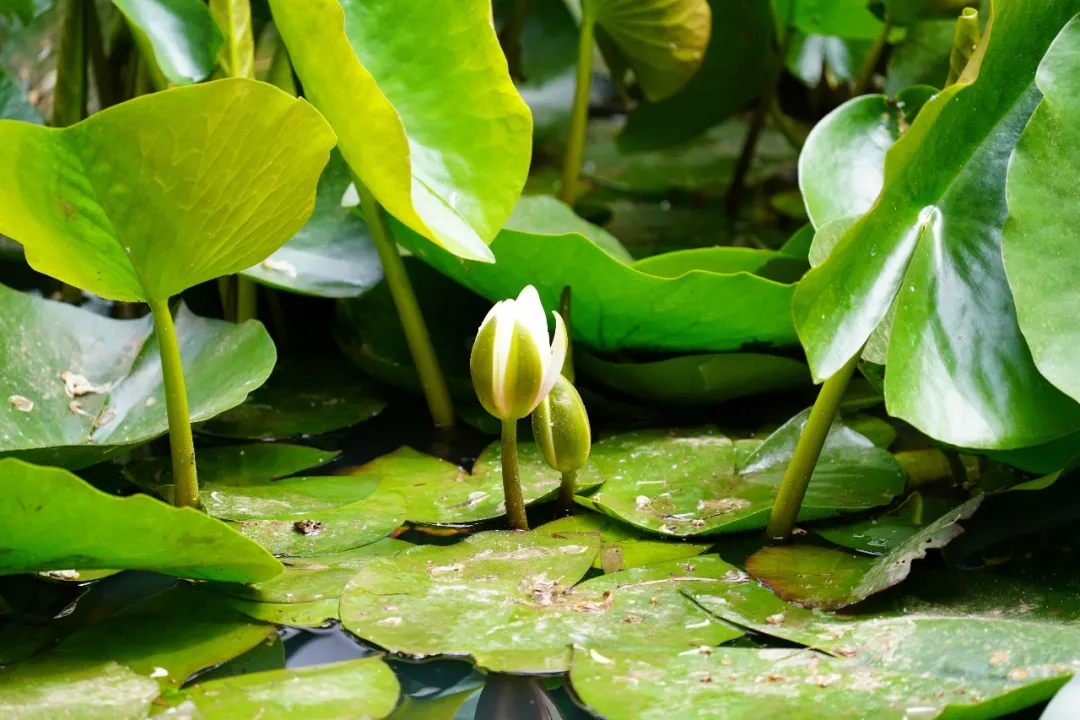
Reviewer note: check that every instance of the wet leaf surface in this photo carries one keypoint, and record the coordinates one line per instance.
(114, 370)
(514, 605)
(55, 521)
(880, 534)
(690, 483)
(621, 546)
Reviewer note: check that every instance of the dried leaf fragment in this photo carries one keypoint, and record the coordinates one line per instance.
(20, 403)
(282, 266)
(308, 527)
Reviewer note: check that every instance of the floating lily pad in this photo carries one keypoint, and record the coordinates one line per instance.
(696, 379)
(307, 593)
(364, 688)
(690, 483)
(830, 578)
(332, 255)
(621, 546)
(55, 521)
(116, 667)
(114, 370)
(509, 601)
(312, 397)
(879, 535)
(615, 306)
(438, 492)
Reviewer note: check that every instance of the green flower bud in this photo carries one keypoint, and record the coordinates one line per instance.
(561, 428)
(512, 365)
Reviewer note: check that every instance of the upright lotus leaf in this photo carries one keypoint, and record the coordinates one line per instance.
(849, 19)
(691, 483)
(365, 687)
(434, 129)
(736, 59)
(957, 366)
(512, 602)
(155, 195)
(1043, 217)
(662, 41)
(78, 388)
(55, 521)
(332, 255)
(825, 577)
(842, 164)
(922, 57)
(616, 306)
(180, 35)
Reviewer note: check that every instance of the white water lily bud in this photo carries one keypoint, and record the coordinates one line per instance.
(513, 367)
(560, 428)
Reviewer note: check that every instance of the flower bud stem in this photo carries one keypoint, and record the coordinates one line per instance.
(515, 503)
(566, 491)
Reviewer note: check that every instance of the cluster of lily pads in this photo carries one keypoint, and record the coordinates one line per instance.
(188, 494)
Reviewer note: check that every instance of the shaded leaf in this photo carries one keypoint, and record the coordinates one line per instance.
(180, 35)
(812, 57)
(849, 19)
(13, 103)
(922, 57)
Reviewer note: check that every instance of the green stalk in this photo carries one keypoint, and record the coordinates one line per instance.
(792, 490)
(564, 310)
(69, 97)
(247, 300)
(866, 72)
(795, 137)
(515, 503)
(510, 37)
(181, 443)
(412, 320)
(566, 490)
(579, 112)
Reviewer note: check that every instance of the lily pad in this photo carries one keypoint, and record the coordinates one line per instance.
(692, 483)
(56, 521)
(307, 593)
(509, 601)
(878, 535)
(114, 371)
(365, 688)
(696, 379)
(615, 306)
(302, 398)
(621, 546)
(1043, 212)
(931, 246)
(444, 146)
(234, 465)
(332, 256)
(180, 35)
(829, 578)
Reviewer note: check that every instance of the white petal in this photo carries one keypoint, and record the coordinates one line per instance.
(557, 357)
(502, 313)
(530, 313)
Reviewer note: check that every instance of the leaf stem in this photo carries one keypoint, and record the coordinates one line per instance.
(579, 112)
(564, 310)
(515, 503)
(247, 299)
(181, 443)
(69, 97)
(789, 497)
(412, 320)
(566, 490)
(866, 72)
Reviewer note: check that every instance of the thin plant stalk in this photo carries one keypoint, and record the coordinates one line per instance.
(510, 38)
(579, 113)
(515, 503)
(181, 443)
(789, 497)
(69, 97)
(795, 137)
(412, 320)
(866, 72)
(566, 490)
(247, 299)
(564, 310)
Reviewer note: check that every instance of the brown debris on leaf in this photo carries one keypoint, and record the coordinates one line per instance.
(606, 603)
(20, 403)
(308, 527)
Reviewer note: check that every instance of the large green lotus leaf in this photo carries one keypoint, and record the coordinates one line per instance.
(690, 483)
(233, 465)
(622, 547)
(922, 58)
(842, 164)
(826, 577)
(768, 264)
(438, 492)
(306, 397)
(40, 340)
(510, 601)
(662, 41)
(435, 129)
(13, 103)
(850, 19)
(615, 306)
(705, 163)
(958, 367)
(366, 688)
(106, 691)
(736, 59)
(155, 195)
(1043, 215)
(295, 495)
(744, 684)
(180, 35)
(307, 593)
(332, 255)
(696, 379)
(54, 521)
